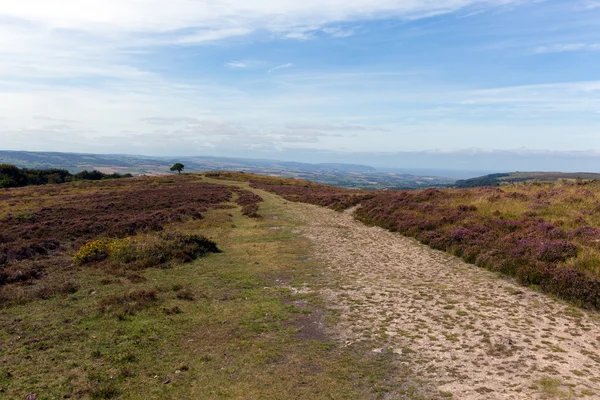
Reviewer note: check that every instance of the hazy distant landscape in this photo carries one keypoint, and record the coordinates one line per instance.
(345, 175)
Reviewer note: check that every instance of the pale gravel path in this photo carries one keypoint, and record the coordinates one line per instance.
(460, 327)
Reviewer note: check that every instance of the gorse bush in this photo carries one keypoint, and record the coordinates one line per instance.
(100, 250)
(146, 251)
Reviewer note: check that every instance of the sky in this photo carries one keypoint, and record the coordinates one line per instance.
(305, 80)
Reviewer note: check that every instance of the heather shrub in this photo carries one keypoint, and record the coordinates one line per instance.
(249, 203)
(335, 198)
(130, 303)
(516, 241)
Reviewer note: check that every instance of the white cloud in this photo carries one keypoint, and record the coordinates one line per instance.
(42, 39)
(161, 16)
(282, 66)
(334, 128)
(572, 99)
(170, 120)
(237, 64)
(591, 4)
(244, 64)
(338, 32)
(561, 48)
(203, 36)
(80, 59)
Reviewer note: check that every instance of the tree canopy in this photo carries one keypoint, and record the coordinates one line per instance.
(12, 176)
(177, 167)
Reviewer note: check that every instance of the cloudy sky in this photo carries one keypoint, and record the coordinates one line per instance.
(268, 78)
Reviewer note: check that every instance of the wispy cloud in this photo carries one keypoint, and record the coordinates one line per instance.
(41, 39)
(561, 48)
(203, 36)
(244, 64)
(120, 16)
(170, 120)
(338, 32)
(183, 75)
(237, 64)
(335, 128)
(591, 4)
(282, 66)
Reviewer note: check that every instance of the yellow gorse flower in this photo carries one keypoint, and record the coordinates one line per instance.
(101, 249)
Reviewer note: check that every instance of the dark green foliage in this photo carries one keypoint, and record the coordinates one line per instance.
(98, 176)
(177, 167)
(12, 176)
(487, 180)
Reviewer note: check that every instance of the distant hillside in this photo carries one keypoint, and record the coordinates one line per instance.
(345, 175)
(74, 162)
(513, 177)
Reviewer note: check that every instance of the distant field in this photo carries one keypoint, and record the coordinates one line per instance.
(545, 234)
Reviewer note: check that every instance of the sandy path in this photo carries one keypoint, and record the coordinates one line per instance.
(466, 330)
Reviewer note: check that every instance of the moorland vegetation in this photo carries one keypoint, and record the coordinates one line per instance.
(115, 289)
(115, 224)
(546, 235)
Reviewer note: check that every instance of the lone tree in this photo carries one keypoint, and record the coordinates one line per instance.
(177, 167)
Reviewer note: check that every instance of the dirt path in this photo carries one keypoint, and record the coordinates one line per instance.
(471, 333)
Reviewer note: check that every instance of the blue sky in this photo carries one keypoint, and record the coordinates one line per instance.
(274, 79)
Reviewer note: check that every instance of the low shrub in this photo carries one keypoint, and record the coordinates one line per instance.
(146, 251)
(130, 303)
(249, 203)
(100, 250)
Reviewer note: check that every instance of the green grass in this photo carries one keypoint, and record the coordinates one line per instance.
(554, 388)
(224, 326)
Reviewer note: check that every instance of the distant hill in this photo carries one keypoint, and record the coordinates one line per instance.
(336, 174)
(29, 159)
(513, 177)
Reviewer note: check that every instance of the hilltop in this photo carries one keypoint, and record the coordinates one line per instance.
(515, 177)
